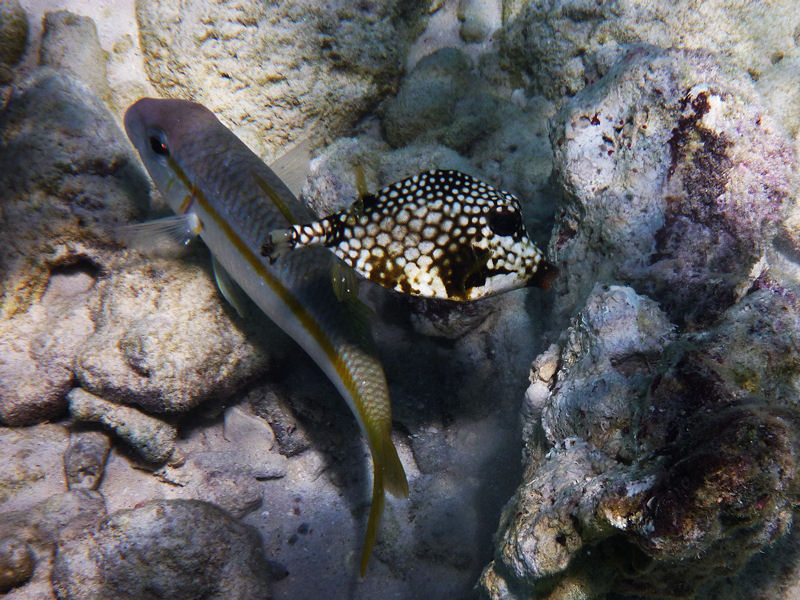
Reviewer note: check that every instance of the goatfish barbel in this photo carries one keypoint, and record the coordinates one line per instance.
(224, 193)
(438, 234)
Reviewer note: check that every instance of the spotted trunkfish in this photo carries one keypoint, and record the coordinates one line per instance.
(439, 234)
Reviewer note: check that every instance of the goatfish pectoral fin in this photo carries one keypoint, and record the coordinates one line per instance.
(166, 235)
(387, 475)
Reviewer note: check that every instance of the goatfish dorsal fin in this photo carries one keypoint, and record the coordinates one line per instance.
(439, 234)
(292, 166)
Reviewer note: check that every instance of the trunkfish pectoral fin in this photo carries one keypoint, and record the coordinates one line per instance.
(161, 236)
(344, 281)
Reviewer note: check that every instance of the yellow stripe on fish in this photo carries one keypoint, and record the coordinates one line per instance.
(439, 234)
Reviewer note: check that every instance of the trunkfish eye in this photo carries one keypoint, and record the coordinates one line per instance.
(505, 222)
(158, 146)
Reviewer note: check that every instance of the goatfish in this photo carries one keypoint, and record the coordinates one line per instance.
(224, 193)
(439, 234)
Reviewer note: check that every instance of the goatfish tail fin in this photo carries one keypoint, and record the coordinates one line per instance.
(387, 475)
(375, 512)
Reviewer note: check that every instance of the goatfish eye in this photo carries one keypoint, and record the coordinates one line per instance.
(158, 144)
(504, 221)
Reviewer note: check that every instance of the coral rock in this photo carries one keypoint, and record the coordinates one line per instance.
(442, 101)
(85, 459)
(545, 40)
(164, 549)
(276, 70)
(16, 563)
(69, 176)
(70, 42)
(152, 438)
(675, 180)
(13, 37)
(680, 466)
(165, 341)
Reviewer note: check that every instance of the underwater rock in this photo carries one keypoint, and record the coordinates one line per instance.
(231, 476)
(70, 44)
(562, 45)
(85, 459)
(179, 549)
(151, 438)
(479, 19)
(276, 410)
(441, 101)
(61, 516)
(69, 176)
(274, 71)
(518, 157)
(674, 181)
(331, 184)
(684, 470)
(777, 86)
(225, 479)
(32, 459)
(449, 320)
(38, 347)
(165, 341)
(16, 563)
(618, 336)
(13, 37)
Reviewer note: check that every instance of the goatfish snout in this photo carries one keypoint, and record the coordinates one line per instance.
(224, 193)
(439, 234)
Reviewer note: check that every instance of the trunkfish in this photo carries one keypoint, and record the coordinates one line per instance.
(439, 234)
